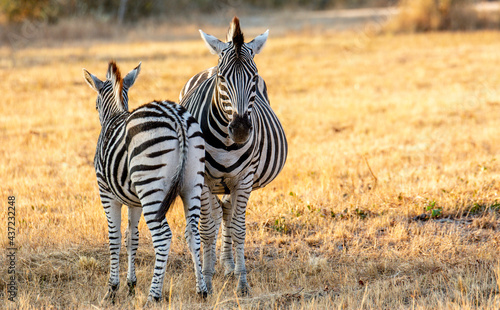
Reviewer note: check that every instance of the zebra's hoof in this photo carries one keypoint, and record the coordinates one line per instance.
(154, 299)
(152, 302)
(110, 297)
(131, 287)
(208, 283)
(203, 294)
(243, 291)
(209, 289)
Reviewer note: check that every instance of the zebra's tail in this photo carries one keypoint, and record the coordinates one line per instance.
(176, 184)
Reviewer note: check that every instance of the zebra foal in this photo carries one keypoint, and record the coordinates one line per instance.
(245, 144)
(144, 159)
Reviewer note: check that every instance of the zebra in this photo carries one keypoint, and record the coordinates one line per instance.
(144, 159)
(245, 145)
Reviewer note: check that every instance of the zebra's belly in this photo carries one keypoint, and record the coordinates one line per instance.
(131, 201)
(223, 183)
(125, 193)
(254, 166)
(220, 183)
(225, 171)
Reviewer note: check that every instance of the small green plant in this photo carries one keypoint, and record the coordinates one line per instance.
(495, 206)
(295, 213)
(435, 211)
(280, 225)
(477, 207)
(362, 214)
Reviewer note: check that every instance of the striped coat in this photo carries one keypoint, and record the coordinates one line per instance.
(145, 159)
(245, 144)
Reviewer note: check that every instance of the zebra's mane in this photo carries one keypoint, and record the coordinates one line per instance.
(115, 77)
(235, 35)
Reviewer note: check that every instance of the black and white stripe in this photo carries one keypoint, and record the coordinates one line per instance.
(245, 144)
(145, 159)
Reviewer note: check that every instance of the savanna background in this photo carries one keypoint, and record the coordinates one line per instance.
(390, 195)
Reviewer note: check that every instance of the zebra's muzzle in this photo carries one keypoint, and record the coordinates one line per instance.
(240, 128)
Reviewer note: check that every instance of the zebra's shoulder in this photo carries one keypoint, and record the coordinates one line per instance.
(196, 81)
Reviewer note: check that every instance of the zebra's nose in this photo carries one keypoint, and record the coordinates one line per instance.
(240, 128)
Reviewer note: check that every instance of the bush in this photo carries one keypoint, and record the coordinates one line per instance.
(430, 15)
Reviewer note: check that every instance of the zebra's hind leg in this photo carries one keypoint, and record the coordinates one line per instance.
(211, 216)
(192, 235)
(112, 208)
(162, 237)
(132, 243)
(227, 249)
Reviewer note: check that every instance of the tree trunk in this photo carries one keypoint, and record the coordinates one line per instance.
(121, 11)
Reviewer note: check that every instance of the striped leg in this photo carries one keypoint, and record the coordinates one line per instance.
(192, 235)
(239, 200)
(132, 243)
(227, 249)
(112, 208)
(162, 237)
(211, 215)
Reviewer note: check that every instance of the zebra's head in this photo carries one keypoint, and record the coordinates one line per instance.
(236, 78)
(112, 94)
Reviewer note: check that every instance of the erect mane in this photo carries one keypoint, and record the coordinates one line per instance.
(235, 35)
(115, 77)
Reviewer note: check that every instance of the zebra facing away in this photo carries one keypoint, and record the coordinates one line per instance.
(245, 145)
(145, 159)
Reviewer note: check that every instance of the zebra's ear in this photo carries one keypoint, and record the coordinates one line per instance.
(258, 43)
(214, 45)
(129, 79)
(92, 80)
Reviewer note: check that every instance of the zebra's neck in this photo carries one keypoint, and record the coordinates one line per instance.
(110, 113)
(110, 126)
(218, 117)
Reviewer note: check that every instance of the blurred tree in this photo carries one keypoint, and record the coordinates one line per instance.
(130, 11)
(19, 10)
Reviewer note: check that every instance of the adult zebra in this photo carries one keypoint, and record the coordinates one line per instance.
(245, 145)
(145, 159)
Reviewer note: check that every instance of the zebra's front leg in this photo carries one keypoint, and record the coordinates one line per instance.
(162, 237)
(237, 229)
(227, 249)
(211, 215)
(132, 243)
(112, 208)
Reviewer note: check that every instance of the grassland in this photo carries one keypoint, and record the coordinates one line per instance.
(389, 198)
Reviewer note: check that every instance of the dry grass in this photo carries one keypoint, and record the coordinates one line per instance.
(380, 129)
(432, 15)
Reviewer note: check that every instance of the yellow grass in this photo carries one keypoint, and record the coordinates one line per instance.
(379, 129)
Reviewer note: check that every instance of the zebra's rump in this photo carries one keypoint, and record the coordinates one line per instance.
(145, 142)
